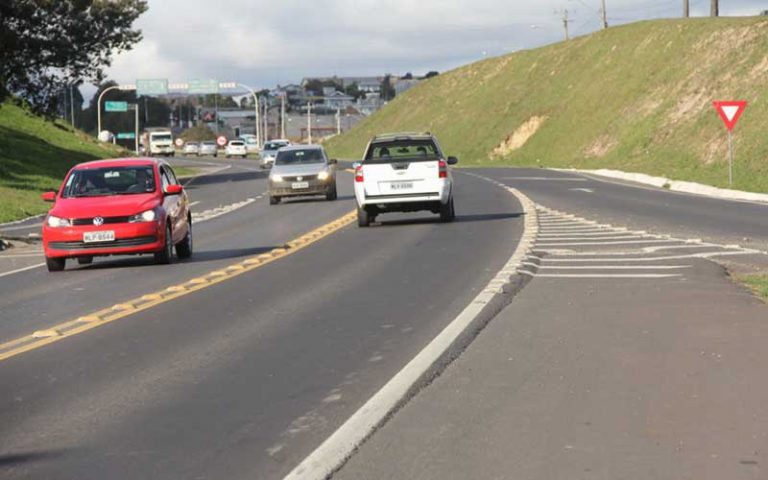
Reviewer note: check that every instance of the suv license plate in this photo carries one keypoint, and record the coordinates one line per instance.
(299, 185)
(94, 237)
(401, 185)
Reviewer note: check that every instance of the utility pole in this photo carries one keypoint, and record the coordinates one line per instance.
(565, 24)
(282, 115)
(604, 14)
(714, 10)
(338, 120)
(686, 8)
(309, 123)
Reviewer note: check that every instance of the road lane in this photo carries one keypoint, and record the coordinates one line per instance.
(244, 379)
(34, 299)
(642, 207)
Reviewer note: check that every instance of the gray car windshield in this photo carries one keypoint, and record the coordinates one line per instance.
(299, 157)
(99, 182)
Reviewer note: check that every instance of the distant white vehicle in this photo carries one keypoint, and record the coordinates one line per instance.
(158, 141)
(208, 147)
(404, 172)
(236, 148)
(251, 145)
(191, 148)
(269, 153)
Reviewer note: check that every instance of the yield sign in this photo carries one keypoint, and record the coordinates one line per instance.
(730, 112)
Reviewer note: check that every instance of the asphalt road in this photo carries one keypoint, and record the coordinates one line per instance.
(628, 354)
(244, 378)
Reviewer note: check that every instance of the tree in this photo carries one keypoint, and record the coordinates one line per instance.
(431, 74)
(354, 91)
(408, 76)
(50, 44)
(387, 89)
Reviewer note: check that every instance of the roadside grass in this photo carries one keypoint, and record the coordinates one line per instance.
(34, 157)
(756, 283)
(188, 172)
(636, 98)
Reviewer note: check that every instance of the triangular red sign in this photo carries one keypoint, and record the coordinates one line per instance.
(730, 111)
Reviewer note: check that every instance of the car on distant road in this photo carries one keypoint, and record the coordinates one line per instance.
(236, 148)
(269, 152)
(191, 148)
(117, 207)
(251, 145)
(404, 172)
(302, 170)
(209, 147)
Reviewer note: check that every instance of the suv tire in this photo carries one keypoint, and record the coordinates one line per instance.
(447, 211)
(55, 264)
(363, 217)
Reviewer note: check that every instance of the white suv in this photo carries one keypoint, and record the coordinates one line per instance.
(404, 172)
(236, 148)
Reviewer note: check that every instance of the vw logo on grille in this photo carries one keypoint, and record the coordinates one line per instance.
(299, 178)
(98, 221)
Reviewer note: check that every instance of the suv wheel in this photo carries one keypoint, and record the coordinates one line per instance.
(363, 217)
(274, 200)
(165, 256)
(55, 264)
(447, 211)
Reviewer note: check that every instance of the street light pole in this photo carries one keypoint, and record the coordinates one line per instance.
(98, 108)
(309, 123)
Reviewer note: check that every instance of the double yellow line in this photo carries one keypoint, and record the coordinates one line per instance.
(87, 322)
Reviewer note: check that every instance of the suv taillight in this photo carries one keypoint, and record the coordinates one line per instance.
(359, 174)
(442, 168)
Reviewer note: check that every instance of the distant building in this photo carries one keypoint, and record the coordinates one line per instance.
(336, 99)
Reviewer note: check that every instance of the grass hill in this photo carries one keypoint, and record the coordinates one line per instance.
(636, 98)
(34, 157)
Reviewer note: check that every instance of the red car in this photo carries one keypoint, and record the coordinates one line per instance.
(117, 207)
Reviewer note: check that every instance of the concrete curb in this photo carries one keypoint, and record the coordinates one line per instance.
(339, 447)
(17, 222)
(674, 185)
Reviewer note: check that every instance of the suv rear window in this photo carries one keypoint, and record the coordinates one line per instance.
(399, 150)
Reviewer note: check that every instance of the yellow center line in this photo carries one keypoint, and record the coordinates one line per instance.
(86, 322)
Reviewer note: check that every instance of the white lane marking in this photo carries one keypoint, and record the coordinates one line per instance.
(219, 211)
(581, 244)
(194, 203)
(648, 259)
(342, 443)
(548, 179)
(22, 227)
(21, 255)
(4, 274)
(607, 267)
(566, 237)
(585, 190)
(601, 275)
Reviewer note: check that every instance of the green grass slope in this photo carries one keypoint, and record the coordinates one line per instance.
(34, 157)
(636, 98)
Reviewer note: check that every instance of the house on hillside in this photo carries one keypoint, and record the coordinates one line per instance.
(336, 100)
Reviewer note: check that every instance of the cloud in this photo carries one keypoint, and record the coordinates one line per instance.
(265, 42)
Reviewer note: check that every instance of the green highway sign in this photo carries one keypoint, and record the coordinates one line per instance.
(126, 136)
(116, 106)
(203, 86)
(158, 86)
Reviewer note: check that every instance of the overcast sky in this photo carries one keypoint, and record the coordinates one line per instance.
(263, 43)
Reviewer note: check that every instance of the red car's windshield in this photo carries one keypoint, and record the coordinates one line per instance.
(110, 181)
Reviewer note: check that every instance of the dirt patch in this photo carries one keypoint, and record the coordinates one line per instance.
(519, 137)
(601, 146)
(689, 105)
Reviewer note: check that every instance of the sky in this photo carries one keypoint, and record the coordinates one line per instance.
(263, 43)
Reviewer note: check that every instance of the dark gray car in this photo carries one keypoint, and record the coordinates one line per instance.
(302, 170)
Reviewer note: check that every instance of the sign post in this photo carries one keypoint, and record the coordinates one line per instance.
(730, 112)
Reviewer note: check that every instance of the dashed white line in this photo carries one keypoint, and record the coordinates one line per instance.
(601, 275)
(38, 265)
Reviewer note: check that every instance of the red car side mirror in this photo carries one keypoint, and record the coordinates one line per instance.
(174, 189)
(49, 196)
